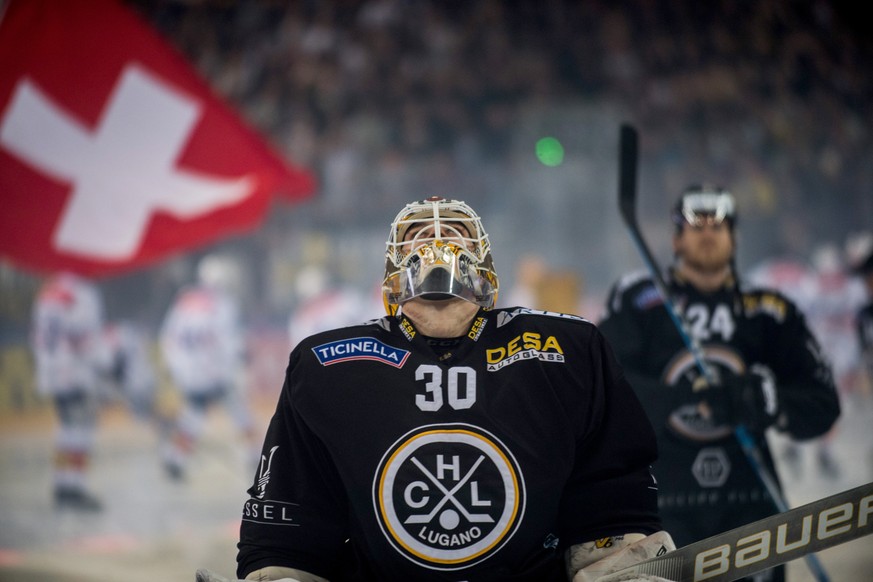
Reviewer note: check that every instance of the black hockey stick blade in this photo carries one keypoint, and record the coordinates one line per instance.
(766, 543)
(628, 156)
(628, 153)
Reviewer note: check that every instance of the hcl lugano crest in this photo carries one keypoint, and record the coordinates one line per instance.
(448, 496)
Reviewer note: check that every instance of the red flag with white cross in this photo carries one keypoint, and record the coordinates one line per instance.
(114, 154)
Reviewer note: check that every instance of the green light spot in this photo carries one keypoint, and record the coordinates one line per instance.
(550, 152)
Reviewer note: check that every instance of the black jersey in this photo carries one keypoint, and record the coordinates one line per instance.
(391, 457)
(705, 483)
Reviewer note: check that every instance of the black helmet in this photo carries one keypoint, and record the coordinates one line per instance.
(701, 200)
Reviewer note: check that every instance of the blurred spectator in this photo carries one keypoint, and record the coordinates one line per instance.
(378, 95)
(561, 291)
(537, 285)
(530, 270)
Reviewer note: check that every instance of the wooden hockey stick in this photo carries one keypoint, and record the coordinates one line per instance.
(627, 202)
(766, 543)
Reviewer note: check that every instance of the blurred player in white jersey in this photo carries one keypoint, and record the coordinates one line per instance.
(203, 347)
(829, 298)
(837, 297)
(791, 276)
(70, 355)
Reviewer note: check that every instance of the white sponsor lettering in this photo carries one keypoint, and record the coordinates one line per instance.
(782, 543)
(504, 317)
(712, 562)
(527, 355)
(830, 520)
(760, 546)
(358, 347)
(449, 540)
(274, 513)
(753, 548)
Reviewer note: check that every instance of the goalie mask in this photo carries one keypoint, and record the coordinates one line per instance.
(438, 249)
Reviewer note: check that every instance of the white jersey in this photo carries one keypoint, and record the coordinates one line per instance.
(792, 277)
(831, 314)
(66, 335)
(202, 340)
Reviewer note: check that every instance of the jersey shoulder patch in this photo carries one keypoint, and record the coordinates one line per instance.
(638, 289)
(506, 316)
(768, 302)
(632, 278)
(373, 326)
(364, 341)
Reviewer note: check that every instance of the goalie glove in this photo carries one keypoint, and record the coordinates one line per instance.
(592, 561)
(748, 399)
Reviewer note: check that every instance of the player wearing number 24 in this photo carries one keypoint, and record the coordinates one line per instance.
(769, 367)
(450, 440)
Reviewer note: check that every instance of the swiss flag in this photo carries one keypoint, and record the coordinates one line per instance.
(113, 152)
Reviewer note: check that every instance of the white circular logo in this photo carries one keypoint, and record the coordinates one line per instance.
(448, 496)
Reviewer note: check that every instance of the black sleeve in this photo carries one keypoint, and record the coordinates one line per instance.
(296, 515)
(864, 333)
(623, 327)
(808, 400)
(611, 490)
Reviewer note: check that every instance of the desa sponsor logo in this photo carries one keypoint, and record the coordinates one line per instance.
(527, 346)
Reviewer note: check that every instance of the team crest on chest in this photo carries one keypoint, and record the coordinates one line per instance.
(687, 420)
(448, 496)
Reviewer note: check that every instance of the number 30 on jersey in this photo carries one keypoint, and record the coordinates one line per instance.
(455, 386)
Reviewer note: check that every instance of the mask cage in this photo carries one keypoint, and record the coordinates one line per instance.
(448, 254)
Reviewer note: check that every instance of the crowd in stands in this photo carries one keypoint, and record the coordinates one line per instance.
(387, 100)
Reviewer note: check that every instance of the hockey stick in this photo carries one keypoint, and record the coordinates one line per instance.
(627, 196)
(765, 543)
